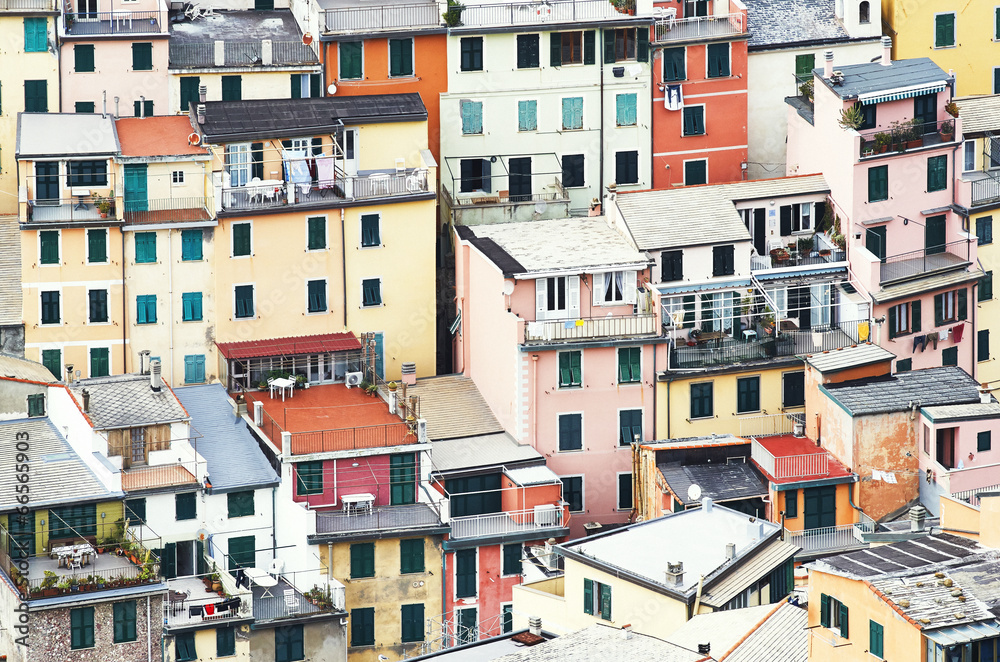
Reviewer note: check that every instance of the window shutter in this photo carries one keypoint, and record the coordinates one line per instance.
(555, 49)
(522, 116)
(620, 109)
(589, 47)
(606, 601)
(575, 359)
(630, 287)
(541, 285)
(296, 86)
(962, 303)
(892, 322)
(598, 287)
(573, 285)
(689, 311)
(824, 610)
(938, 309)
(785, 227)
(914, 316)
(609, 47)
(588, 596)
(623, 366)
(477, 117)
(642, 44)
(844, 619)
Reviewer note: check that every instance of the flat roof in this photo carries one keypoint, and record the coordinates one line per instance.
(483, 650)
(787, 445)
(603, 642)
(689, 216)
(777, 187)
(930, 551)
(157, 136)
(235, 25)
(845, 358)
(488, 450)
(904, 78)
(946, 385)
(966, 412)
(720, 482)
(65, 134)
(325, 407)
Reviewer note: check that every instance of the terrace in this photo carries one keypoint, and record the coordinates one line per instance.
(238, 39)
(22, 6)
(589, 328)
(530, 13)
(541, 520)
(228, 53)
(168, 210)
(984, 187)
(920, 263)
(159, 476)
(409, 516)
(698, 28)
(903, 136)
(114, 23)
(342, 17)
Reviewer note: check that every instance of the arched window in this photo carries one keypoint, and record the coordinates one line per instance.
(864, 12)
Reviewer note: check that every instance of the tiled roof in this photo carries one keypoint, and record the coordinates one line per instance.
(962, 412)
(774, 188)
(602, 642)
(920, 285)
(783, 637)
(233, 456)
(488, 450)
(932, 599)
(10, 271)
(14, 367)
(925, 388)
(720, 629)
(721, 482)
(124, 401)
(873, 77)
(453, 407)
(979, 114)
(329, 342)
(689, 216)
(787, 22)
(909, 555)
(45, 134)
(157, 136)
(849, 357)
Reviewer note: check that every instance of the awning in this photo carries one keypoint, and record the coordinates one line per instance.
(319, 344)
(902, 93)
(835, 268)
(717, 284)
(963, 634)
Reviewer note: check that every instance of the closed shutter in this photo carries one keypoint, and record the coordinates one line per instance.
(588, 596)
(411, 555)
(606, 601)
(36, 96)
(512, 559)
(824, 610)
(785, 221)
(642, 44)
(673, 64)
(589, 47)
(555, 49)
(963, 303)
(892, 322)
(465, 573)
(36, 35)
(242, 552)
(718, 60)
(938, 309)
(232, 88)
(944, 30)
(412, 617)
(363, 626)
(142, 57)
(844, 621)
(363, 560)
(400, 57)
(189, 91)
(609, 46)
(914, 316)
(350, 60)
(296, 86)
(83, 58)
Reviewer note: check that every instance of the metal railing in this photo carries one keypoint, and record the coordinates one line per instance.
(114, 22)
(382, 17)
(241, 54)
(479, 199)
(292, 52)
(412, 182)
(28, 5)
(830, 538)
(795, 259)
(901, 136)
(515, 521)
(69, 210)
(972, 496)
(729, 349)
(698, 27)
(156, 476)
(985, 190)
(370, 436)
(96, 580)
(917, 263)
(380, 517)
(770, 424)
(166, 210)
(790, 466)
(591, 327)
(553, 11)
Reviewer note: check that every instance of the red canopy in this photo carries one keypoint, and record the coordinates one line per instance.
(329, 342)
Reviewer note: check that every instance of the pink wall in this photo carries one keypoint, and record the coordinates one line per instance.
(340, 477)
(522, 301)
(491, 593)
(930, 357)
(113, 73)
(979, 471)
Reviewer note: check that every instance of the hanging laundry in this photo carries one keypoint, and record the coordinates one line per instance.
(863, 331)
(889, 477)
(956, 332)
(674, 97)
(918, 340)
(933, 338)
(876, 474)
(209, 609)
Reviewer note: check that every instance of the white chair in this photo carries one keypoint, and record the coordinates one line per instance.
(670, 14)
(291, 601)
(277, 565)
(75, 561)
(400, 166)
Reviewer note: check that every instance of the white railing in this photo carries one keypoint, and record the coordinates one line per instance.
(515, 521)
(790, 466)
(146, 477)
(594, 327)
(829, 538)
(769, 424)
(972, 496)
(698, 27)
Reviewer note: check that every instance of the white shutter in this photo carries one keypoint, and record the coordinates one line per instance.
(630, 286)
(573, 285)
(540, 290)
(598, 287)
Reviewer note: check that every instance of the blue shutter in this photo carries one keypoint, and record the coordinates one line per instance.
(567, 113)
(477, 117)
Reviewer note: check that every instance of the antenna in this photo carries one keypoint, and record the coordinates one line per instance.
(694, 492)
(541, 206)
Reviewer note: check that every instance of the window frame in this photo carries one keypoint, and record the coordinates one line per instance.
(982, 345)
(78, 51)
(631, 166)
(723, 260)
(59, 307)
(470, 112)
(381, 299)
(692, 399)
(362, 624)
(954, 30)
(984, 444)
(238, 502)
(142, 309)
(378, 230)
(309, 297)
(879, 649)
(411, 626)
(253, 301)
(686, 162)
(573, 164)
(700, 108)
(574, 124)
(308, 487)
(415, 543)
(190, 652)
(526, 40)
(127, 629)
(473, 55)
(729, 60)
(621, 427)
(739, 395)
(289, 643)
(937, 178)
(676, 265)
(986, 236)
(785, 375)
(225, 641)
(340, 60)
(412, 62)
(362, 560)
(42, 249)
(58, 374)
(82, 634)
(249, 240)
(559, 369)
(523, 106)
(506, 556)
(90, 307)
(148, 243)
(309, 236)
(187, 245)
(874, 170)
(185, 506)
(190, 303)
(142, 55)
(618, 492)
(630, 110)
(582, 492)
(35, 44)
(634, 365)
(90, 359)
(559, 432)
(683, 64)
(36, 405)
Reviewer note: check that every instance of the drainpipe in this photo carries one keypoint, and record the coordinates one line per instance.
(343, 261)
(274, 522)
(149, 634)
(697, 598)
(599, 48)
(121, 234)
(170, 303)
(534, 400)
(444, 583)
(669, 379)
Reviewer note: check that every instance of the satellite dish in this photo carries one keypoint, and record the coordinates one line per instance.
(202, 534)
(694, 492)
(332, 89)
(508, 287)
(541, 206)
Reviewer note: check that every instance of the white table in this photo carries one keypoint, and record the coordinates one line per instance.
(379, 182)
(63, 554)
(357, 502)
(81, 194)
(282, 384)
(121, 17)
(265, 188)
(264, 579)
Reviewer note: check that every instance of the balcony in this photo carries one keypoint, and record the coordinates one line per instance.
(167, 210)
(592, 328)
(223, 53)
(903, 136)
(926, 261)
(551, 12)
(540, 519)
(67, 210)
(795, 259)
(810, 465)
(122, 22)
(382, 18)
(188, 596)
(154, 477)
(412, 516)
(23, 6)
(832, 538)
(971, 497)
(985, 188)
(698, 28)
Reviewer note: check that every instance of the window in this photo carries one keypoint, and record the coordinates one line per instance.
(625, 109)
(904, 365)
(142, 108)
(36, 405)
(694, 120)
(624, 491)
(97, 308)
(671, 266)
(48, 241)
(145, 247)
(472, 117)
(242, 552)
(527, 51)
(240, 504)
(506, 618)
(362, 560)
(225, 641)
(572, 170)
(904, 318)
(629, 365)
(674, 64)
(950, 306)
(145, 309)
(100, 361)
(968, 155)
(400, 57)
(984, 441)
(316, 296)
(701, 401)
(570, 369)
(718, 60)
(512, 559)
(36, 35)
(944, 30)
(87, 173)
(81, 628)
(875, 631)
(124, 613)
(36, 96)
(527, 115)
(695, 172)
(50, 308)
(244, 301)
(189, 91)
(191, 304)
(97, 246)
(402, 478)
(232, 88)
(191, 242)
(241, 239)
(573, 492)
(572, 113)
(475, 495)
(412, 617)
(465, 573)
(619, 45)
(316, 233)
(306, 86)
(864, 13)
(370, 235)
(83, 58)
(411, 556)
(288, 643)
(629, 426)
(949, 356)
(471, 53)
(984, 230)
(371, 292)
(571, 48)
(869, 114)
(983, 345)
(627, 167)
(310, 477)
(723, 258)
(791, 504)
(363, 626)
(475, 175)
(351, 55)
(937, 173)
(597, 599)
(52, 359)
(747, 394)
(142, 57)
(184, 650)
(833, 614)
(793, 389)
(878, 183)
(135, 510)
(185, 506)
(570, 432)
(83, 107)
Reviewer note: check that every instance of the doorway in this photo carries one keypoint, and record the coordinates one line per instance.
(520, 179)
(945, 448)
(934, 235)
(820, 506)
(47, 182)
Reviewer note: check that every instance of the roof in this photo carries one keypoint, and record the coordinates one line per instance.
(902, 557)
(453, 407)
(295, 345)
(488, 450)
(602, 642)
(157, 136)
(932, 599)
(124, 401)
(871, 80)
(966, 412)
(234, 459)
(492, 250)
(787, 445)
(759, 564)
(979, 114)
(482, 650)
(562, 243)
(845, 358)
(687, 216)
(720, 482)
(696, 442)
(233, 121)
(45, 134)
(925, 388)
(787, 22)
(246, 25)
(914, 287)
(11, 291)
(536, 475)
(14, 367)
(782, 637)
(58, 474)
(777, 187)
(720, 629)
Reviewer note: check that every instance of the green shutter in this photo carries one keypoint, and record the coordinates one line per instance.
(82, 627)
(189, 91)
(363, 626)
(412, 619)
(36, 96)
(588, 596)
(609, 46)
(240, 504)
(242, 552)
(317, 233)
(642, 44)
(225, 641)
(915, 316)
(36, 35)
(142, 57)
(411, 556)
(191, 245)
(232, 88)
(370, 235)
(168, 560)
(590, 47)
(606, 601)
(963, 303)
(145, 247)
(465, 573)
(555, 49)
(400, 57)
(350, 60)
(875, 642)
(512, 559)
(241, 239)
(185, 506)
(296, 86)
(52, 359)
(49, 240)
(362, 560)
(97, 244)
(791, 504)
(124, 621)
(892, 322)
(938, 309)
(944, 30)
(824, 610)
(844, 621)
(83, 58)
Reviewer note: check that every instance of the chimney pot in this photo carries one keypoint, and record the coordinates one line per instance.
(828, 65)
(86, 401)
(704, 649)
(155, 382)
(409, 373)
(675, 573)
(706, 504)
(730, 551)
(535, 626)
(917, 516)
(202, 93)
(201, 113)
(69, 373)
(886, 51)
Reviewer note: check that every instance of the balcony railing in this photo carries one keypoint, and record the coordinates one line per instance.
(986, 190)
(65, 210)
(382, 17)
(972, 496)
(907, 135)
(28, 5)
(832, 538)
(114, 22)
(552, 192)
(167, 210)
(383, 185)
(241, 54)
(728, 350)
(518, 521)
(795, 259)
(348, 439)
(770, 424)
(790, 466)
(699, 27)
(416, 515)
(594, 327)
(157, 476)
(918, 263)
(535, 13)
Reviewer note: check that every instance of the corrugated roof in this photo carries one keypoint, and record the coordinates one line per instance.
(488, 450)
(65, 134)
(962, 412)
(721, 629)
(777, 187)
(929, 551)
(11, 294)
(928, 388)
(874, 77)
(787, 22)
(921, 285)
(783, 637)
(681, 217)
(233, 456)
(601, 642)
(453, 407)
(157, 136)
(979, 114)
(123, 401)
(537, 475)
(849, 357)
(931, 601)
(720, 482)
(14, 367)
(750, 570)
(295, 345)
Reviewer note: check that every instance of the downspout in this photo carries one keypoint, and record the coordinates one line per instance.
(669, 379)
(444, 583)
(534, 398)
(274, 522)
(121, 234)
(697, 598)
(170, 303)
(599, 48)
(343, 262)
(149, 633)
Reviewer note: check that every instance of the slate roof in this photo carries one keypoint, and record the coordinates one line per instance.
(787, 22)
(849, 357)
(453, 407)
(65, 134)
(967, 412)
(487, 450)
(503, 260)
(930, 600)
(756, 189)
(14, 367)
(901, 557)
(979, 114)
(721, 482)
(690, 216)
(234, 459)
(233, 121)
(602, 642)
(927, 388)
(782, 637)
(58, 475)
(872, 77)
(124, 401)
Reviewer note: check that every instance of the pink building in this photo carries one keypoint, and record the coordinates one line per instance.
(892, 183)
(562, 342)
(114, 51)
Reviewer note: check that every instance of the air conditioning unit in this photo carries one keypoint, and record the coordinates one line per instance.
(547, 515)
(355, 379)
(422, 430)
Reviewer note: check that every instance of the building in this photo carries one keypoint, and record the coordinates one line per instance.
(559, 332)
(752, 634)
(892, 189)
(787, 40)
(657, 574)
(699, 109)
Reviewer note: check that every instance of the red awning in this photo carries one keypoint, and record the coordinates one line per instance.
(329, 342)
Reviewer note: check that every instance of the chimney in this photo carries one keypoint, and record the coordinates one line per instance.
(917, 516)
(69, 373)
(984, 394)
(201, 113)
(838, 9)
(627, 631)
(202, 93)
(409, 371)
(86, 401)
(704, 649)
(886, 51)
(706, 504)
(675, 573)
(104, 104)
(116, 107)
(142, 106)
(828, 65)
(155, 382)
(535, 626)
(730, 551)
(799, 429)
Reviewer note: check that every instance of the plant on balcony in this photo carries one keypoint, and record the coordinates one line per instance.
(780, 254)
(805, 245)
(947, 130)
(319, 597)
(851, 117)
(453, 16)
(50, 579)
(371, 389)
(624, 6)
(951, 108)
(104, 205)
(807, 90)
(882, 142)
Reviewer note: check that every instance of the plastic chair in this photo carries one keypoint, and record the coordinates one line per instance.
(277, 565)
(291, 601)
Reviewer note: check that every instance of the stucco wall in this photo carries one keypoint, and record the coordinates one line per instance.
(113, 74)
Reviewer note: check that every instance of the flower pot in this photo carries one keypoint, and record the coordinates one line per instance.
(913, 144)
(216, 586)
(947, 137)
(104, 214)
(49, 592)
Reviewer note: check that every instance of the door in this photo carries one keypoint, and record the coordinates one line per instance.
(925, 113)
(467, 630)
(819, 305)
(820, 506)
(349, 147)
(380, 354)
(402, 478)
(804, 65)
(875, 242)
(798, 306)
(137, 443)
(185, 558)
(760, 231)
(695, 8)
(520, 179)
(22, 533)
(86, 8)
(934, 237)
(945, 448)
(47, 182)
(135, 188)
(168, 560)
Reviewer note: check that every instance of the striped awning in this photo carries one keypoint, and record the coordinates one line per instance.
(718, 284)
(902, 93)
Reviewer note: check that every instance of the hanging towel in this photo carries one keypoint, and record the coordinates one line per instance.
(209, 609)
(326, 172)
(863, 331)
(956, 332)
(296, 168)
(933, 338)
(918, 340)
(674, 97)
(876, 474)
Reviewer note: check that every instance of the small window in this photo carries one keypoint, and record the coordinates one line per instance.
(225, 641)
(983, 345)
(572, 170)
(695, 172)
(142, 108)
(36, 405)
(864, 17)
(572, 113)
(629, 426)
(232, 88)
(944, 30)
(629, 365)
(876, 642)
(36, 96)
(81, 627)
(48, 246)
(124, 616)
(904, 365)
(241, 239)
(363, 626)
(570, 432)
(878, 183)
(145, 247)
(625, 492)
(86, 107)
(242, 552)
(362, 560)
(371, 292)
(177, 177)
(949, 356)
(718, 60)
(240, 504)
(51, 313)
(793, 389)
(309, 478)
(100, 362)
(472, 117)
(834, 614)
(244, 304)
(52, 359)
(627, 167)
(597, 599)
(569, 48)
(316, 296)
(694, 120)
(512, 559)
(411, 556)
(350, 59)
(184, 650)
(904, 318)
(189, 93)
(969, 154)
(984, 441)
(748, 394)
(671, 266)
(471, 53)
(984, 230)
(145, 309)
(316, 230)
(527, 51)
(570, 369)
(370, 235)
(194, 368)
(701, 401)
(142, 57)
(191, 245)
(83, 58)
(573, 493)
(625, 109)
(135, 511)
(674, 64)
(527, 115)
(400, 57)
(412, 619)
(985, 292)
(791, 504)
(506, 618)
(191, 306)
(723, 260)
(185, 506)
(97, 306)
(36, 35)
(937, 173)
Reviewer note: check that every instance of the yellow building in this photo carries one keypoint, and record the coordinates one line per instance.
(959, 35)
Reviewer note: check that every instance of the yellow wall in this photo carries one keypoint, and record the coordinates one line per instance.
(113, 510)
(846, 514)
(959, 517)
(255, 85)
(988, 312)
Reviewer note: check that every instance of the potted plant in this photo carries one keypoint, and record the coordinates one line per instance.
(453, 16)
(851, 117)
(216, 584)
(48, 585)
(805, 245)
(951, 108)
(104, 205)
(947, 130)
(371, 389)
(300, 381)
(914, 134)
(882, 141)
(780, 255)
(392, 387)
(807, 90)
